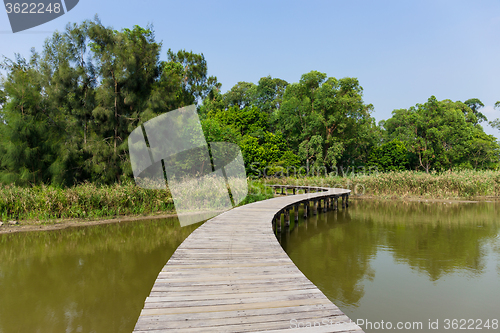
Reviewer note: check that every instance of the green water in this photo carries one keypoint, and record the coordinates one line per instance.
(390, 261)
(85, 279)
(405, 262)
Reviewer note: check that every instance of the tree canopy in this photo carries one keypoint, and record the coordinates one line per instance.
(67, 113)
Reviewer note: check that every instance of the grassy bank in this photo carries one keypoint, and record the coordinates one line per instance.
(86, 201)
(409, 184)
(92, 202)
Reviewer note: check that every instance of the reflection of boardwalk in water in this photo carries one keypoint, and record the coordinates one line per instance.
(231, 275)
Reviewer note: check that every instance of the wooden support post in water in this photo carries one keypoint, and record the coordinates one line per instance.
(347, 200)
(336, 203)
(343, 201)
(306, 208)
(287, 217)
(315, 204)
(278, 222)
(325, 205)
(296, 210)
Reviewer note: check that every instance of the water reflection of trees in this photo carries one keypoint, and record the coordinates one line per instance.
(331, 244)
(434, 238)
(90, 279)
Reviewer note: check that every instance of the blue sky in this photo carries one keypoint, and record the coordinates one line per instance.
(402, 52)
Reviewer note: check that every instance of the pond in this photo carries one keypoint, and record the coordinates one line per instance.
(405, 263)
(377, 260)
(84, 279)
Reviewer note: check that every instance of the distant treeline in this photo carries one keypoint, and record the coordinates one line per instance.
(67, 113)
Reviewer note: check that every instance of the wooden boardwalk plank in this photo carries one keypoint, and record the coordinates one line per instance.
(231, 275)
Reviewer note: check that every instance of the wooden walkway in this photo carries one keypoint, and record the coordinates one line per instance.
(231, 275)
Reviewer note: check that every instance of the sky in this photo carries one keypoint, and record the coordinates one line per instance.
(402, 52)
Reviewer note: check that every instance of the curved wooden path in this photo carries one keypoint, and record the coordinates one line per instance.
(231, 275)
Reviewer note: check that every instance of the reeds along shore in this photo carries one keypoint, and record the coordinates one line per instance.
(89, 201)
(465, 184)
(81, 201)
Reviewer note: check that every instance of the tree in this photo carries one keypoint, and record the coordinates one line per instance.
(69, 83)
(440, 135)
(474, 105)
(242, 94)
(25, 135)
(390, 156)
(127, 65)
(191, 70)
(76, 104)
(328, 113)
(267, 154)
(269, 94)
(248, 120)
(496, 123)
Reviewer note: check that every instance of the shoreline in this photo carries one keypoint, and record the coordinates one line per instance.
(423, 199)
(27, 226)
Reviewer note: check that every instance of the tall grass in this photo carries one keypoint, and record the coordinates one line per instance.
(86, 201)
(465, 184)
(89, 201)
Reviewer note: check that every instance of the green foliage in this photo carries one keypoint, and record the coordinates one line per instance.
(241, 95)
(67, 113)
(326, 120)
(267, 154)
(26, 140)
(441, 136)
(264, 152)
(474, 105)
(257, 192)
(189, 71)
(83, 201)
(247, 120)
(390, 156)
(269, 94)
(496, 123)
